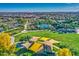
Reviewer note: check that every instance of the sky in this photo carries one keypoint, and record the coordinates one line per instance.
(39, 7)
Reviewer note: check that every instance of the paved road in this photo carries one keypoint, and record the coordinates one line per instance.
(28, 31)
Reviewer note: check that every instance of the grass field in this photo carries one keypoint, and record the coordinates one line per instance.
(70, 40)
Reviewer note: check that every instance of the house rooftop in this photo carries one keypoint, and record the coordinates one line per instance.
(35, 47)
(44, 39)
(34, 38)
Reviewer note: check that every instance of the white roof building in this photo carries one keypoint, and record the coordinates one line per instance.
(77, 31)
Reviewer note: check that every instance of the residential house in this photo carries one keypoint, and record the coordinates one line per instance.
(39, 47)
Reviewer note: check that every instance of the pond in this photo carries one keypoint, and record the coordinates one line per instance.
(43, 26)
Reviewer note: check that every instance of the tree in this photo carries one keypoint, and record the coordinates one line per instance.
(64, 52)
(6, 48)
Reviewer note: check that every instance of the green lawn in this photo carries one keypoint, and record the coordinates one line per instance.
(69, 40)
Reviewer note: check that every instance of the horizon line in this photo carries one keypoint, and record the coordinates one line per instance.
(39, 11)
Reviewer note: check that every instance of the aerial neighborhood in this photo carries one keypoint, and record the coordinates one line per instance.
(39, 33)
